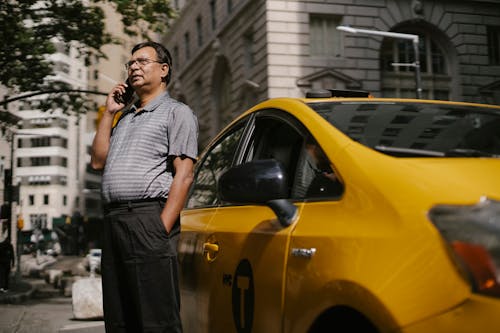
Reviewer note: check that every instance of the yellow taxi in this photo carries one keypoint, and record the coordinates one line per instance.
(353, 214)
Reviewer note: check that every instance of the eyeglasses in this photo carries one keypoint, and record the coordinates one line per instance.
(141, 62)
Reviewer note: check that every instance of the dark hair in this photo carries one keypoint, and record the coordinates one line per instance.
(162, 53)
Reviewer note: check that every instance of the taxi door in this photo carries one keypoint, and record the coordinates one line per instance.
(249, 264)
(192, 269)
(197, 276)
(247, 248)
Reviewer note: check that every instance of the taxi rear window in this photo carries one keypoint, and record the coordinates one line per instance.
(411, 129)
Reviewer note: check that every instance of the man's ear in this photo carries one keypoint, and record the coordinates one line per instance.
(166, 69)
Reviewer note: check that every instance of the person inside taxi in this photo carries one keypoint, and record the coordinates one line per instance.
(316, 177)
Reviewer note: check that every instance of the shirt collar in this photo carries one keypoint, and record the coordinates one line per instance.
(152, 105)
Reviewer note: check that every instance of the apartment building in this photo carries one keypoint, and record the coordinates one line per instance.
(51, 150)
(230, 54)
(47, 150)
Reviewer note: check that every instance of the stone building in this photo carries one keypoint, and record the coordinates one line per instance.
(230, 54)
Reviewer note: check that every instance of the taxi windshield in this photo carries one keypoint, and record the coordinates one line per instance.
(414, 129)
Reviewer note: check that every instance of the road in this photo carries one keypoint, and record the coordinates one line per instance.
(37, 315)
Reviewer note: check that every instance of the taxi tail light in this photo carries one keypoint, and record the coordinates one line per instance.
(473, 235)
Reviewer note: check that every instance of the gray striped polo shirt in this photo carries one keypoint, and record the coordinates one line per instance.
(138, 165)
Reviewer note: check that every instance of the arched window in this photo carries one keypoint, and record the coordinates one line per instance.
(399, 80)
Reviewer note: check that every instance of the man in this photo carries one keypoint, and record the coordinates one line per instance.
(6, 263)
(148, 162)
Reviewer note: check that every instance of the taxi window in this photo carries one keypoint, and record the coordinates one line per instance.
(214, 164)
(277, 139)
(315, 177)
(415, 129)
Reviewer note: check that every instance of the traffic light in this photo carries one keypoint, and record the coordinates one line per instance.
(20, 223)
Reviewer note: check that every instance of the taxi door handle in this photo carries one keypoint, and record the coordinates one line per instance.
(210, 251)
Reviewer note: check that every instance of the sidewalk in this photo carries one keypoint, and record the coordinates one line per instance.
(32, 285)
(19, 291)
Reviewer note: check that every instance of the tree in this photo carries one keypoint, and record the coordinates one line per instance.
(27, 28)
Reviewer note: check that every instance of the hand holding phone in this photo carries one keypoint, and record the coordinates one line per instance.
(127, 96)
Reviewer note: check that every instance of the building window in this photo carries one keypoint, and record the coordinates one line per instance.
(431, 57)
(213, 13)
(39, 180)
(40, 161)
(199, 30)
(176, 55)
(186, 46)
(494, 45)
(65, 200)
(399, 80)
(31, 200)
(38, 221)
(45, 199)
(248, 51)
(324, 37)
(40, 142)
(221, 92)
(25, 105)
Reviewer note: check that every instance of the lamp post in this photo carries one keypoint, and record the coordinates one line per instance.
(397, 35)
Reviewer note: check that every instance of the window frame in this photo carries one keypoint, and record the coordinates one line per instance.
(242, 124)
(324, 50)
(304, 133)
(493, 35)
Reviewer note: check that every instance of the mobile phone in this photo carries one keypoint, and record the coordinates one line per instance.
(126, 97)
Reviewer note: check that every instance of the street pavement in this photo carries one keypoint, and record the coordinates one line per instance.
(36, 315)
(34, 306)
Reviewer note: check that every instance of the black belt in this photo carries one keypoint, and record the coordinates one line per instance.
(131, 203)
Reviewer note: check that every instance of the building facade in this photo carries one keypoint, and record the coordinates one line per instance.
(47, 150)
(51, 150)
(230, 54)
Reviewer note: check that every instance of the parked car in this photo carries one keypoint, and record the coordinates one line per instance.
(326, 213)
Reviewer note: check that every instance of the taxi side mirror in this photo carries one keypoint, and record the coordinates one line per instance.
(259, 182)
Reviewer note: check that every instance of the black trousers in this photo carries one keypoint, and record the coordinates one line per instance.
(139, 270)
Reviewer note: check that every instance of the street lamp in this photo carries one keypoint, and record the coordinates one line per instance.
(413, 38)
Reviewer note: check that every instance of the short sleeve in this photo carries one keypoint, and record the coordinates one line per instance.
(183, 133)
